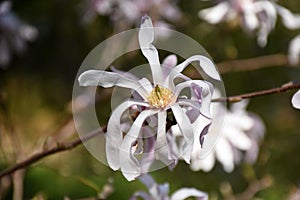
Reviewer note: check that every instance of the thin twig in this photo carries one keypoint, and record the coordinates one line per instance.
(70, 145)
(236, 98)
(253, 63)
(59, 148)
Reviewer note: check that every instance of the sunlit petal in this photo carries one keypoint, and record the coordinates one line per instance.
(186, 129)
(206, 95)
(146, 37)
(205, 63)
(114, 136)
(110, 79)
(130, 165)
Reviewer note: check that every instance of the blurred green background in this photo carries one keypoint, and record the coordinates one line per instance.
(36, 91)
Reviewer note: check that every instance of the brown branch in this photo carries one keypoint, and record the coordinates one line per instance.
(253, 63)
(58, 148)
(236, 98)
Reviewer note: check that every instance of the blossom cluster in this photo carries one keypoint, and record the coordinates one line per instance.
(149, 137)
(254, 16)
(126, 13)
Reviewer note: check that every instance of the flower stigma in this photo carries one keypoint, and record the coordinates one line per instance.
(160, 97)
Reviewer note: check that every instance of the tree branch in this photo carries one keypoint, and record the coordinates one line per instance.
(236, 98)
(61, 147)
(253, 63)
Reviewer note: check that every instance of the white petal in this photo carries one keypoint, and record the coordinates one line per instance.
(250, 19)
(294, 51)
(296, 100)
(206, 64)
(186, 129)
(206, 164)
(290, 20)
(168, 64)
(224, 154)
(161, 145)
(130, 166)
(109, 79)
(216, 14)
(238, 138)
(114, 135)
(206, 94)
(189, 192)
(146, 37)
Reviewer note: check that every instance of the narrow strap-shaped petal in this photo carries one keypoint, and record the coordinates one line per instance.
(186, 129)
(216, 14)
(290, 20)
(109, 79)
(161, 146)
(168, 64)
(114, 136)
(189, 192)
(224, 154)
(146, 37)
(205, 63)
(296, 100)
(149, 147)
(206, 95)
(130, 166)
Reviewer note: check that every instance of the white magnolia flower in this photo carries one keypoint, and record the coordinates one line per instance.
(129, 12)
(155, 102)
(161, 191)
(254, 16)
(296, 100)
(241, 132)
(294, 51)
(14, 34)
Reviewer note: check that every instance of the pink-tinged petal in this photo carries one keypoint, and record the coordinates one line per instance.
(267, 23)
(205, 63)
(130, 165)
(186, 129)
(206, 95)
(114, 135)
(251, 21)
(146, 37)
(168, 64)
(296, 100)
(224, 154)
(216, 14)
(294, 51)
(289, 20)
(189, 192)
(109, 79)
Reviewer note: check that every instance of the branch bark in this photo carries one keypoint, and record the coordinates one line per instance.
(61, 147)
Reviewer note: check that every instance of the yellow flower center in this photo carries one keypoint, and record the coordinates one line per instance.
(160, 97)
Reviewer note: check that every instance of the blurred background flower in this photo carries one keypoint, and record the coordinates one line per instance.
(127, 13)
(256, 17)
(14, 34)
(242, 132)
